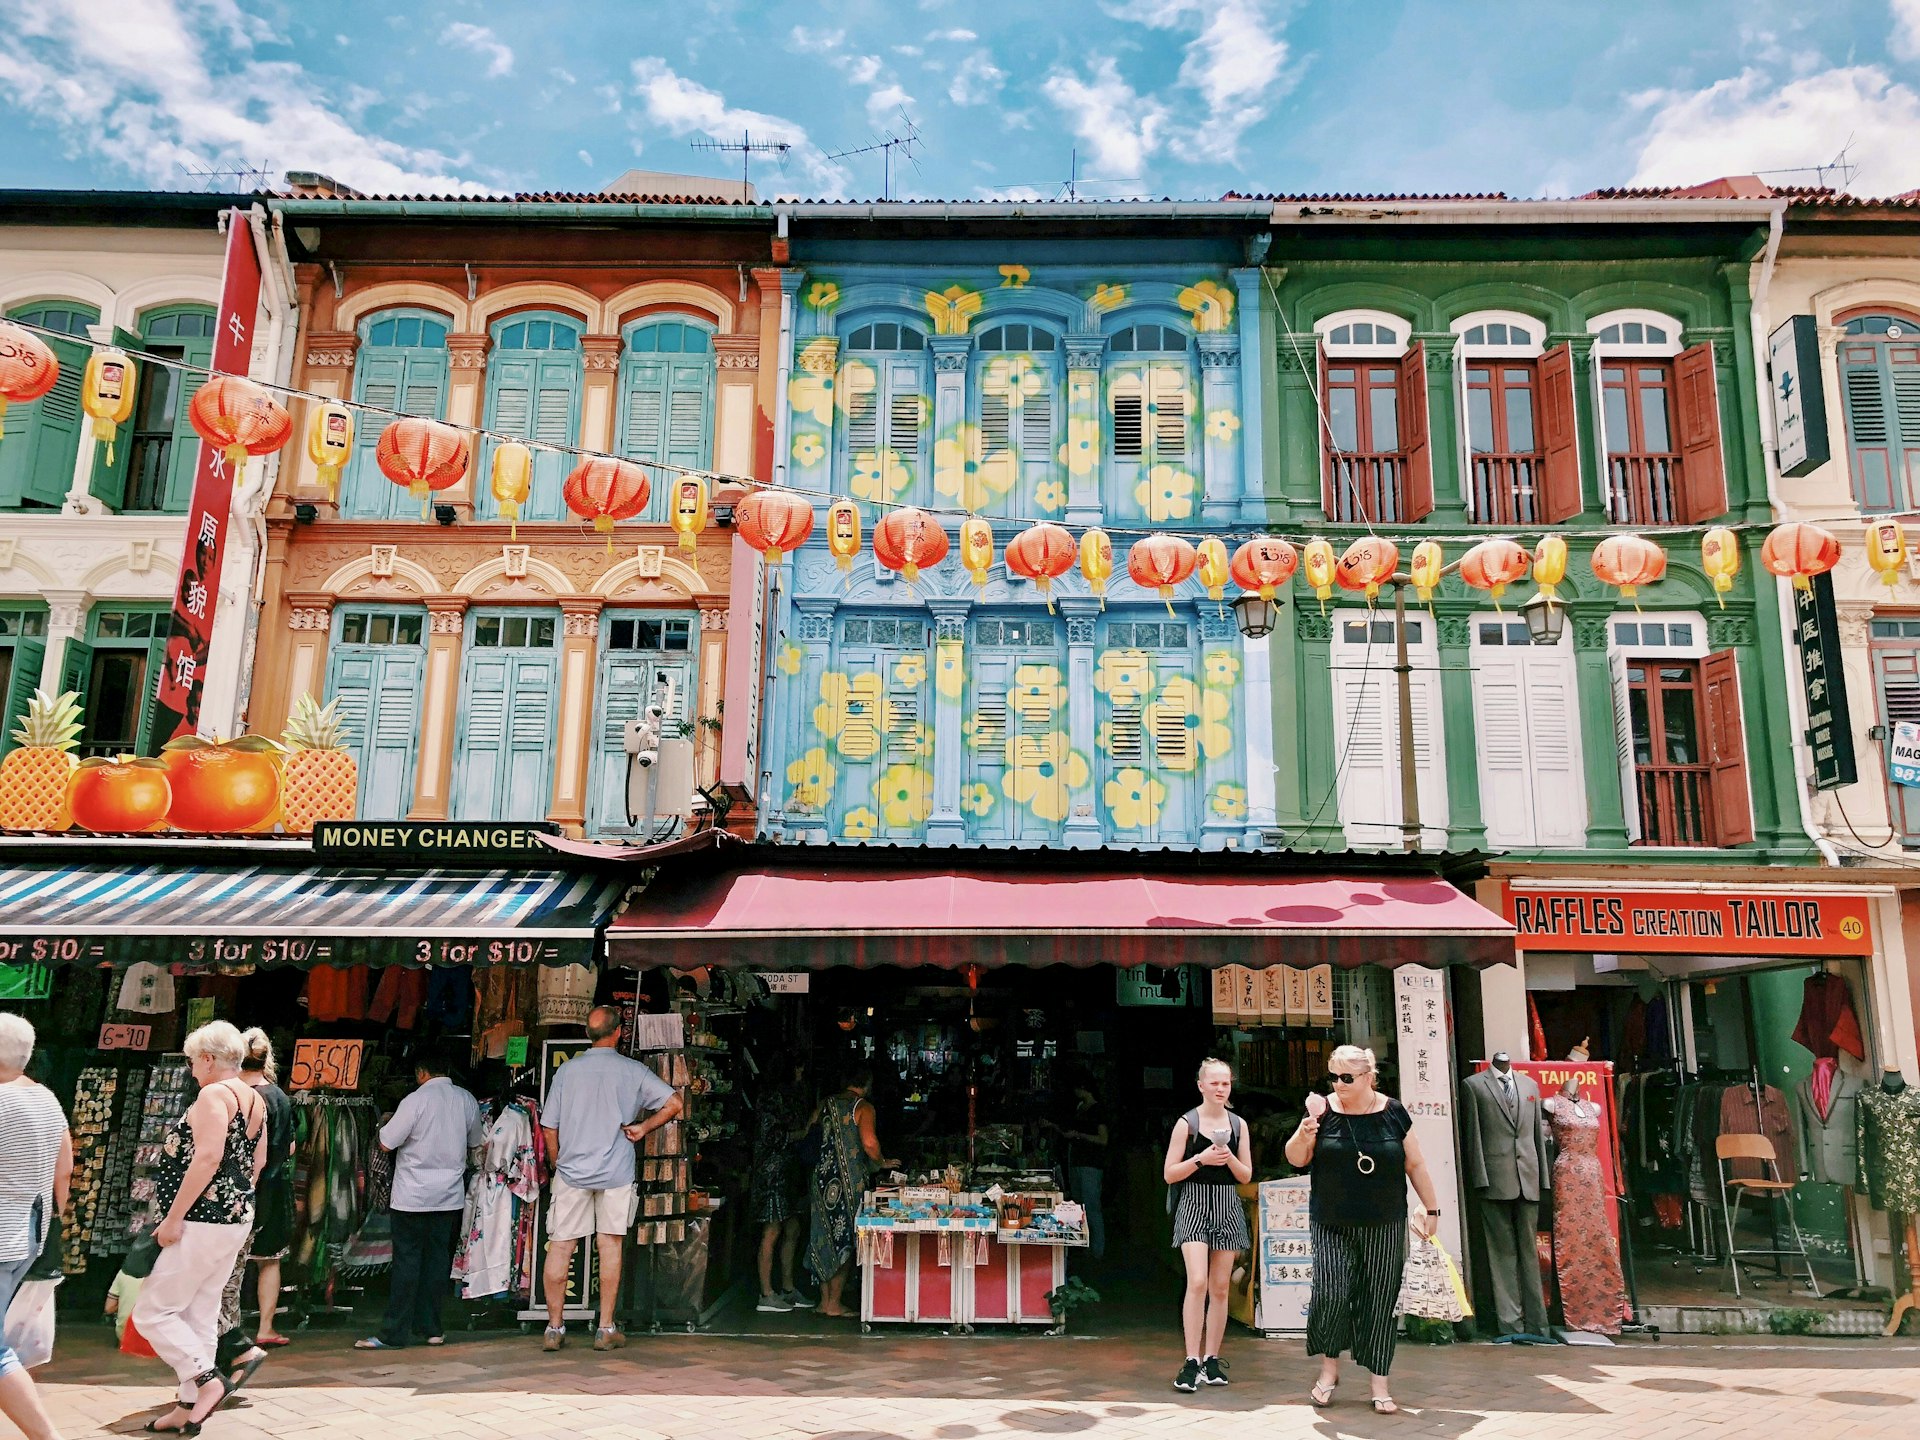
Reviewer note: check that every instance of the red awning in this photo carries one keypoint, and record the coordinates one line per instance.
(798, 917)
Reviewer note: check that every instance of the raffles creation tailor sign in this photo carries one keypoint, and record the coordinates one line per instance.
(196, 595)
(1799, 399)
(1688, 922)
(1829, 724)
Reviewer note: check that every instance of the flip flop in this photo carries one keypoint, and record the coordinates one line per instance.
(1322, 1395)
(273, 1343)
(373, 1342)
(1384, 1405)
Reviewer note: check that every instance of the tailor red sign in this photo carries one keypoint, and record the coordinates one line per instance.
(1687, 922)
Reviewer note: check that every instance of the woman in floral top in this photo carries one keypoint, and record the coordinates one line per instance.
(203, 1193)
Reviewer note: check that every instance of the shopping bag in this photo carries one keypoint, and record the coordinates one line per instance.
(29, 1322)
(1430, 1286)
(132, 1342)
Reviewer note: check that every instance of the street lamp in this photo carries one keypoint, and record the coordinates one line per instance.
(1546, 620)
(1255, 616)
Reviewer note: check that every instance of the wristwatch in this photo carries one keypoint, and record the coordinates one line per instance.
(1434, 1213)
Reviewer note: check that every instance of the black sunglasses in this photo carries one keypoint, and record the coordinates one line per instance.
(1341, 1078)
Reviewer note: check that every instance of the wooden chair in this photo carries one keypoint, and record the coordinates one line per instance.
(1729, 1149)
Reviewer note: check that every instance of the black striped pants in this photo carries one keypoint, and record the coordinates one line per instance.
(1356, 1285)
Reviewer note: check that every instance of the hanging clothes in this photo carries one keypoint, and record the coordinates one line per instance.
(330, 1179)
(399, 997)
(492, 1258)
(1826, 1116)
(146, 989)
(337, 992)
(1890, 1148)
(1536, 1032)
(1593, 1295)
(1827, 1022)
(450, 998)
(1739, 1115)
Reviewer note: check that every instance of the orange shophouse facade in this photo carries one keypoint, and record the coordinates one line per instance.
(485, 670)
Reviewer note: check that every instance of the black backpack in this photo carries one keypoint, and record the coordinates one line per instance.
(1192, 1117)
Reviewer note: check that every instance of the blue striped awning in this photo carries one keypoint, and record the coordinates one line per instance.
(107, 913)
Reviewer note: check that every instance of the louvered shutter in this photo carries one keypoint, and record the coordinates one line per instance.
(1414, 436)
(29, 655)
(1696, 406)
(860, 384)
(1553, 735)
(1726, 748)
(1506, 768)
(1429, 751)
(1623, 743)
(1039, 444)
(905, 415)
(378, 689)
(379, 376)
(988, 678)
(534, 689)
(1559, 438)
(183, 458)
(1904, 370)
(43, 436)
(1896, 674)
(424, 389)
(1880, 385)
(147, 738)
(76, 678)
(628, 682)
(1368, 783)
(1168, 406)
(689, 411)
(480, 760)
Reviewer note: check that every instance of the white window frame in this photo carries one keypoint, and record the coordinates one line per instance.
(1663, 350)
(1534, 346)
(1344, 658)
(1619, 652)
(1402, 331)
(1562, 656)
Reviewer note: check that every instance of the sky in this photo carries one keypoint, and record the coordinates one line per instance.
(1180, 98)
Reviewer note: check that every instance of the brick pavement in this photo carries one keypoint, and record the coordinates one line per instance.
(929, 1387)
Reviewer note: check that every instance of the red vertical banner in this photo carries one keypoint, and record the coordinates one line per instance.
(196, 598)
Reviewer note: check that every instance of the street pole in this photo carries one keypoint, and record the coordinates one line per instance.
(1403, 671)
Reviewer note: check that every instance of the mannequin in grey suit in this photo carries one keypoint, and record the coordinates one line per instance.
(1503, 1149)
(1830, 1144)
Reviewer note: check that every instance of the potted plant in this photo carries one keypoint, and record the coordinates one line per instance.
(1072, 1296)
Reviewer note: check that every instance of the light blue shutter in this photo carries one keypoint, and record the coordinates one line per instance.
(183, 458)
(988, 677)
(505, 763)
(43, 436)
(379, 693)
(905, 419)
(534, 688)
(481, 755)
(28, 656)
(627, 682)
(667, 415)
(366, 494)
(1127, 447)
(533, 396)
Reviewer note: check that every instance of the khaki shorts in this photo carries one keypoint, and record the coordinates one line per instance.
(575, 1214)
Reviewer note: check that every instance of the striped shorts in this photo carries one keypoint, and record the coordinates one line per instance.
(1356, 1285)
(1212, 1215)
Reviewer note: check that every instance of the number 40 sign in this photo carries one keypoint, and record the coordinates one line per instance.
(326, 1064)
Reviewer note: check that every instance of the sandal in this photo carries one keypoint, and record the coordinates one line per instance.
(211, 1380)
(154, 1427)
(1384, 1405)
(1322, 1395)
(238, 1382)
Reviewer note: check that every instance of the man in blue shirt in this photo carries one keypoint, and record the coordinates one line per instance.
(592, 1120)
(433, 1135)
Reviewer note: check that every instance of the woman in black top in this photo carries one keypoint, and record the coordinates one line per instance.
(1361, 1152)
(1207, 1156)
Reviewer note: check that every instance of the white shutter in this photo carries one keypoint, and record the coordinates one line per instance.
(1363, 750)
(1553, 728)
(1623, 742)
(1506, 781)
(1429, 750)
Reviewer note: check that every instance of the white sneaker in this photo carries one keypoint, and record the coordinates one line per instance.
(774, 1305)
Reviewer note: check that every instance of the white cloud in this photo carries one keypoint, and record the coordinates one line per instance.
(952, 36)
(482, 41)
(1120, 128)
(143, 94)
(861, 69)
(815, 42)
(685, 107)
(882, 103)
(1752, 122)
(976, 81)
(1905, 40)
(586, 158)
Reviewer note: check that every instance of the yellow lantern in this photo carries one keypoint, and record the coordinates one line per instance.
(1317, 562)
(976, 549)
(512, 480)
(1425, 567)
(1096, 562)
(106, 394)
(1214, 563)
(1887, 550)
(1720, 558)
(330, 444)
(689, 514)
(843, 532)
(1550, 565)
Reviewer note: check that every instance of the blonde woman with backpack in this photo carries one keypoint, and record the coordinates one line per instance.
(1208, 1154)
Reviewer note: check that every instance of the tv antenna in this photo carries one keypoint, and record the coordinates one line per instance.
(748, 148)
(892, 141)
(1839, 166)
(247, 177)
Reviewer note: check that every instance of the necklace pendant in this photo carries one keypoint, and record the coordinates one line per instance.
(1364, 1164)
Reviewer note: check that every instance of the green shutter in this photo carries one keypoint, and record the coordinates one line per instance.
(109, 483)
(147, 739)
(43, 437)
(184, 458)
(76, 675)
(28, 658)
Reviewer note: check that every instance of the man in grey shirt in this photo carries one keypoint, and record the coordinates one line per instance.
(433, 1136)
(592, 1120)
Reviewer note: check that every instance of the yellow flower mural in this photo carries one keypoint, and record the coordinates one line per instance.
(1221, 668)
(977, 799)
(1166, 493)
(1187, 722)
(1134, 798)
(879, 476)
(950, 670)
(1107, 298)
(910, 670)
(905, 796)
(1012, 277)
(861, 824)
(1124, 676)
(853, 713)
(963, 473)
(787, 659)
(1050, 496)
(916, 740)
(823, 295)
(981, 733)
(857, 389)
(1229, 801)
(951, 309)
(1080, 453)
(1042, 772)
(812, 777)
(1037, 693)
(1209, 303)
(1222, 424)
(808, 451)
(811, 394)
(1014, 376)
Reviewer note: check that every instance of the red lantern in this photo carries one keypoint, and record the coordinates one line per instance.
(1042, 553)
(777, 522)
(239, 418)
(1367, 563)
(28, 367)
(1630, 561)
(423, 455)
(1799, 552)
(1160, 562)
(1264, 563)
(604, 490)
(909, 540)
(1492, 565)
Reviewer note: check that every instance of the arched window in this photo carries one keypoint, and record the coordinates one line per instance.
(1372, 333)
(1377, 463)
(1635, 332)
(1016, 402)
(666, 400)
(1504, 383)
(533, 394)
(1151, 383)
(883, 389)
(1879, 359)
(43, 437)
(1500, 332)
(401, 366)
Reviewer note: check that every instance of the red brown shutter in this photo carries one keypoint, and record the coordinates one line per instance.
(1323, 423)
(1559, 438)
(1703, 473)
(1413, 432)
(1726, 749)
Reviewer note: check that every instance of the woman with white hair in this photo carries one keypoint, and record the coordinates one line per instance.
(1361, 1151)
(203, 1194)
(36, 1164)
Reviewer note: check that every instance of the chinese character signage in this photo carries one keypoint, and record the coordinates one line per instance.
(1799, 398)
(1286, 1256)
(1423, 1029)
(1688, 922)
(1829, 725)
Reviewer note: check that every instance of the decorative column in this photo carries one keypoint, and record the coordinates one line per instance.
(1223, 808)
(440, 702)
(946, 826)
(1446, 413)
(1600, 746)
(599, 402)
(706, 705)
(1081, 614)
(805, 461)
(801, 664)
(1086, 435)
(580, 634)
(466, 394)
(734, 411)
(1586, 412)
(950, 354)
(1266, 778)
(66, 620)
(1256, 345)
(1221, 425)
(309, 624)
(328, 371)
(1315, 743)
(768, 283)
(1466, 829)
(787, 351)
(269, 698)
